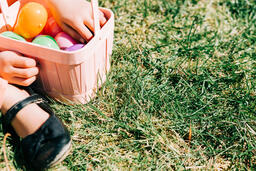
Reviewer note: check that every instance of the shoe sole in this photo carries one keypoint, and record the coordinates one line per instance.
(62, 155)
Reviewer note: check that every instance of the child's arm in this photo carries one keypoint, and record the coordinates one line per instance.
(75, 17)
(17, 69)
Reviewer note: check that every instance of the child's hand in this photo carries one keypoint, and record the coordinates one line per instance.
(17, 69)
(75, 17)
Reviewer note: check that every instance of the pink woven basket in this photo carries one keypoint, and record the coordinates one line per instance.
(67, 76)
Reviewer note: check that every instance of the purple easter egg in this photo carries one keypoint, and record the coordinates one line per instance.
(64, 40)
(75, 47)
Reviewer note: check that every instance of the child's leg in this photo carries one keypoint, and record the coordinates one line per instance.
(3, 87)
(30, 118)
(45, 139)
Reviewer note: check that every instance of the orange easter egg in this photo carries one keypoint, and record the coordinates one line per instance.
(31, 20)
(42, 2)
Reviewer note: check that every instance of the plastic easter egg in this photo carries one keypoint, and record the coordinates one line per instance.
(31, 20)
(75, 47)
(42, 2)
(13, 35)
(47, 41)
(52, 28)
(64, 40)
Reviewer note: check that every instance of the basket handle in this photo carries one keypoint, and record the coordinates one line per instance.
(96, 20)
(4, 7)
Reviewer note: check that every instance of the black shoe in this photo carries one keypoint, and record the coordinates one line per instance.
(46, 147)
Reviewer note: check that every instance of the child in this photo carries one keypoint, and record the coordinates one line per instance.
(45, 140)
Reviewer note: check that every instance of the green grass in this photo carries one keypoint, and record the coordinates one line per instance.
(175, 65)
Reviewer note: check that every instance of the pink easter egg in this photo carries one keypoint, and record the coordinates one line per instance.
(64, 40)
(75, 47)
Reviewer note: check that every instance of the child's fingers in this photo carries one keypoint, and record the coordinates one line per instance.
(102, 18)
(22, 81)
(83, 31)
(25, 73)
(73, 33)
(15, 59)
(22, 62)
(89, 24)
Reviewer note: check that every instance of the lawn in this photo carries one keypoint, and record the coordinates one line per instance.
(181, 93)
